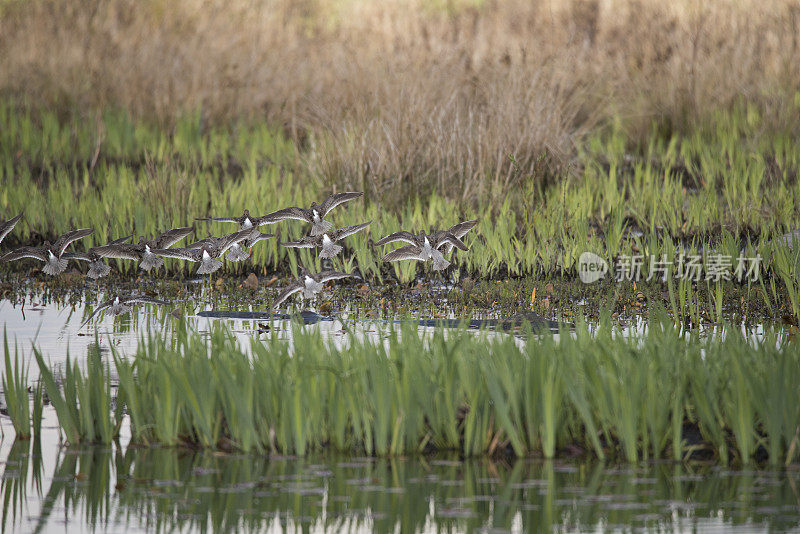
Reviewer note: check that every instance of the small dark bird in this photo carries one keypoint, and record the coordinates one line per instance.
(119, 305)
(426, 246)
(97, 268)
(142, 251)
(315, 213)
(51, 255)
(245, 221)
(239, 251)
(7, 226)
(207, 251)
(310, 284)
(327, 241)
(422, 247)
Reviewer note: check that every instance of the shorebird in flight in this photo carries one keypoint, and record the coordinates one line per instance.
(310, 284)
(315, 213)
(422, 247)
(245, 221)
(97, 268)
(51, 254)
(207, 250)
(241, 251)
(143, 250)
(327, 241)
(119, 305)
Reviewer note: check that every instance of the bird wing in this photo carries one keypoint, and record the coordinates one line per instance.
(122, 251)
(25, 252)
(236, 220)
(287, 292)
(80, 256)
(408, 252)
(292, 212)
(447, 238)
(188, 254)
(170, 237)
(306, 242)
(208, 241)
(143, 299)
(460, 230)
(100, 307)
(326, 276)
(229, 240)
(335, 199)
(9, 225)
(120, 241)
(346, 231)
(404, 236)
(64, 241)
(257, 236)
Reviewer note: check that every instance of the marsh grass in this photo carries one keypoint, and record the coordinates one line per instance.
(149, 179)
(563, 128)
(82, 400)
(692, 193)
(15, 391)
(141, 178)
(640, 397)
(787, 267)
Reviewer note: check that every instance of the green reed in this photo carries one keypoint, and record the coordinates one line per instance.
(712, 188)
(15, 391)
(409, 392)
(787, 266)
(83, 399)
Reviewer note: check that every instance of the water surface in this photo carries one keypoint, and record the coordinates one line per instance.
(47, 488)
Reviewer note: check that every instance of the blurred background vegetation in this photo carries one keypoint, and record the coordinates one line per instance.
(407, 96)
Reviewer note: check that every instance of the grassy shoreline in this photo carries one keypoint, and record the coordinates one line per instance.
(565, 300)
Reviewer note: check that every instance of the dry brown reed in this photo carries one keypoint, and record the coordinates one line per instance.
(402, 97)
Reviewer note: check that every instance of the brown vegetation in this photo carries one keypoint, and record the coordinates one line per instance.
(409, 96)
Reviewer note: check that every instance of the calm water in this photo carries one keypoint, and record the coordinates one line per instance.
(46, 488)
(54, 323)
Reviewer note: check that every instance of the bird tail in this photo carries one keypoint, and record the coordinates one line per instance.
(98, 269)
(209, 266)
(237, 253)
(321, 227)
(151, 261)
(310, 291)
(330, 251)
(439, 263)
(55, 266)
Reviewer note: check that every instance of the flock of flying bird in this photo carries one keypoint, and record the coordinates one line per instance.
(207, 252)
